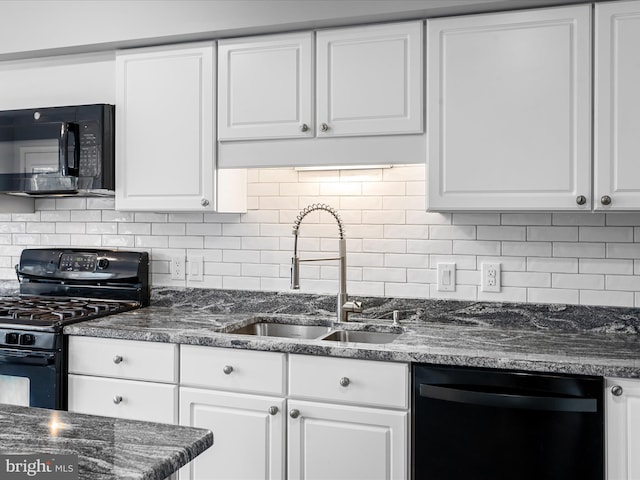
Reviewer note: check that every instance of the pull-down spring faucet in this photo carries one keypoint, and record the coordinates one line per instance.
(344, 306)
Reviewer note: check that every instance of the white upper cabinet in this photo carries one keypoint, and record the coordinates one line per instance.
(617, 106)
(369, 80)
(509, 111)
(364, 81)
(265, 87)
(165, 128)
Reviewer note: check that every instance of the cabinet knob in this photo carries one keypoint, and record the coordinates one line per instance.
(273, 410)
(227, 369)
(605, 200)
(295, 413)
(304, 127)
(204, 202)
(117, 359)
(617, 390)
(344, 381)
(117, 399)
(324, 127)
(581, 199)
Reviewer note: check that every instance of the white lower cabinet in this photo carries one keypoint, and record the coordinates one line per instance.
(248, 434)
(341, 419)
(123, 379)
(343, 442)
(622, 407)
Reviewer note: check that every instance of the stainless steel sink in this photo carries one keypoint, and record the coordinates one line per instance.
(359, 336)
(286, 330)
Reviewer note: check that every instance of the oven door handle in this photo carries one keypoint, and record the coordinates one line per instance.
(40, 359)
(504, 400)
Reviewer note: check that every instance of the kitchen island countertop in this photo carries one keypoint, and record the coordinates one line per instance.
(107, 448)
(545, 338)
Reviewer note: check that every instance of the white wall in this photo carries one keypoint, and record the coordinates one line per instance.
(39, 27)
(393, 244)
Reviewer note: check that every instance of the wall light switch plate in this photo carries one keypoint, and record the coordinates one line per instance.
(195, 263)
(490, 281)
(446, 277)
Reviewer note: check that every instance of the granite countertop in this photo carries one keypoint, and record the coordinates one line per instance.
(106, 448)
(551, 338)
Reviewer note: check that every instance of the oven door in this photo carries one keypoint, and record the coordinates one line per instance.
(31, 378)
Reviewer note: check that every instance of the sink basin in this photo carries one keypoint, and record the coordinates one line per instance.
(286, 330)
(361, 337)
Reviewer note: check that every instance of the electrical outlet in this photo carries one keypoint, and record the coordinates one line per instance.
(196, 267)
(177, 267)
(490, 277)
(446, 277)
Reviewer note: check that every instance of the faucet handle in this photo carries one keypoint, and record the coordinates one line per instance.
(352, 306)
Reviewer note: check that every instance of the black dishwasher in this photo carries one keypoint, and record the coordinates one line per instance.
(484, 424)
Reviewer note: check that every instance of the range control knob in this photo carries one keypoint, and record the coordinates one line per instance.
(11, 338)
(27, 339)
(103, 263)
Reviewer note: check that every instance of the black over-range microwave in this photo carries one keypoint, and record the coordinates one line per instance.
(58, 151)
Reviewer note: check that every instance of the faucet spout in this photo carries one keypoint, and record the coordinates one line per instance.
(344, 306)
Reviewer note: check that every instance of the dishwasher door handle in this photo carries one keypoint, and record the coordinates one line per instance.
(506, 400)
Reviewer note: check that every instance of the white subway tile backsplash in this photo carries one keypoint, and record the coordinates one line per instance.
(393, 244)
(501, 233)
(550, 234)
(384, 245)
(384, 217)
(557, 265)
(624, 283)
(526, 279)
(527, 249)
(506, 294)
(452, 232)
(551, 295)
(468, 247)
(526, 219)
(579, 281)
(476, 219)
(611, 298)
(606, 265)
(579, 250)
(55, 216)
(579, 219)
(609, 234)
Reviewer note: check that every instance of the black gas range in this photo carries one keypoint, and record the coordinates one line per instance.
(59, 287)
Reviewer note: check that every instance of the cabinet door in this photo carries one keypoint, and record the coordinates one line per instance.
(509, 111)
(248, 433)
(265, 87)
(617, 106)
(339, 442)
(165, 128)
(622, 407)
(369, 80)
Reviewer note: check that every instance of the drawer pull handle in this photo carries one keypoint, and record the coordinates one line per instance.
(295, 413)
(344, 381)
(227, 369)
(273, 410)
(617, 390)
(117, 399)
(117, 359)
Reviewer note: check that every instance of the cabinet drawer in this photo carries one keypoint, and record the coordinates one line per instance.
(123, 359)
(152, 402)
(363, 382)
(228, 369)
